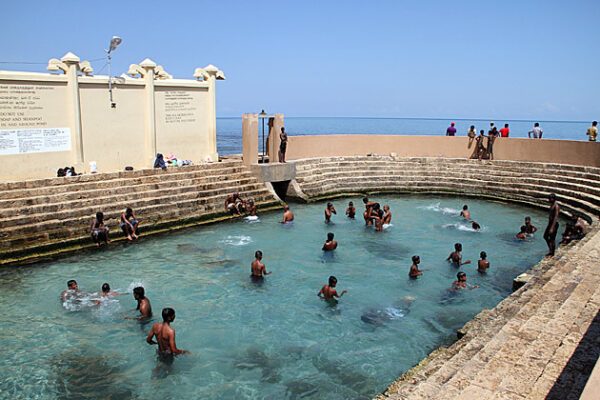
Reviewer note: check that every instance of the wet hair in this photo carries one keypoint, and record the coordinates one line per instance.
(472, 126)
(365, 200)
(415, 258)
(351, 204)
(491, 124)
(258, 254)
(536, 124)
(100, 216)
(457, 246)
(552, 197)
(527, 219)
(475, 225)
(483, 255)
(330, 236)
(594, 123)
(451, 123)
(282, 129)
(168, 314)
(461, 274)
(286, 207)
(329, 205)
(71, 283)
(506, 125)
(481, 132)
(332, 280)
(523, 229)
(140, 292)
(128, 211)
(465, 207)
(105, 288)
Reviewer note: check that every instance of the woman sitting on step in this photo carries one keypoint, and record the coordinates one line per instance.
(98, 230)
(129, 224)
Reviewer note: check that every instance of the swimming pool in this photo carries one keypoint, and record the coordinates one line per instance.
(276, 340)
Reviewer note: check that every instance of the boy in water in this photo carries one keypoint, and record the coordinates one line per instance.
(415, 272)
(387, 215)
(461, 282)
(475, 226)
(165, 336)
(106, 292)
(483, 264)
(330, 244)
(368, 210)
(350, 211)
(288, 215)
(522, 235)
(328, 292)
(72, 290)
(465, 213)
(330, 209)
(456, 257)
(530, 229)
(258, 271)
(143, 303)
(251, 208)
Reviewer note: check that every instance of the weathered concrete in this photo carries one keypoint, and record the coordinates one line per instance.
(277, 172)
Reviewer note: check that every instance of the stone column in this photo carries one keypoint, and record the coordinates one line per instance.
(71, 61)
(275, 125)
(212, 111)
(149, 68)
(250, 138)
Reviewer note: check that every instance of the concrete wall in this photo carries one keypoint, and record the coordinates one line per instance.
(49, 121)
(552, 151)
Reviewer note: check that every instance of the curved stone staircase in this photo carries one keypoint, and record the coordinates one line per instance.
(42, 217)
(529, 346)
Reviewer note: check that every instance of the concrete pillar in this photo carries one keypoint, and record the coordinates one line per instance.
(150, 151)
(275, 125)
(71, 61)
(212, 117)
(250, 138)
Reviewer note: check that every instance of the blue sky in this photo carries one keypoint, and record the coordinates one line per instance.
(447, 59)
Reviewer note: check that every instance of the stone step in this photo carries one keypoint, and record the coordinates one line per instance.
(83, 185)
(132, 193)
(77, 228)
(89, 208)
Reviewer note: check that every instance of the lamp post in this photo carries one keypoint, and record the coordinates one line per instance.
(262, 116)
(114, 43)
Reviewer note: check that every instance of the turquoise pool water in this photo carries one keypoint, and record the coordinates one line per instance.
(273, 341)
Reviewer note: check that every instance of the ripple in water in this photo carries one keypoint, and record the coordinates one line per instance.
(236, 240)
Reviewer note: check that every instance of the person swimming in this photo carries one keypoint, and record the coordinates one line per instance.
(329, 210)
(330, 243)
(465, 213)
(531, 229)
(415, 272)
(165, 337)
(461, 282)
(328, 292)
(288, 215)
(71, 291)
(387, 215)
(483, 264)
(106, 292)
(258, 270)
(522, 235)
(143, 303)
(351, 210)
(456, 257)
(475, 226)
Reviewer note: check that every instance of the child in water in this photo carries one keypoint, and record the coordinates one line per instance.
(330, 243)
(461, 282)
(350, 211)
(522, 235)
(456, 257)
(483, 264)
(415, 272)
(328, 292)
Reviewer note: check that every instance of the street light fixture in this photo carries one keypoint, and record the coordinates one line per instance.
(114, 43)
(262, 116)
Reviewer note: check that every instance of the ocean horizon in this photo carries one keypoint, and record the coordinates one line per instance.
(229, 129)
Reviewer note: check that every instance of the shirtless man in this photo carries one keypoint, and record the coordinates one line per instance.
(530, 229)
(351, 210)
(461, 282)
(233, 204)
(330, 244)
(258, 271)
(465, 213)
(475, 226)
(330, 209)
(368, 210)
(415, 272)
(251, 208)
(552, 228)
(456, 257)
(387, 215)
(483, 264)
(328, 292)
(143, 304)
(72, 290)
(165, 336)
(288, 215)
(106, 292)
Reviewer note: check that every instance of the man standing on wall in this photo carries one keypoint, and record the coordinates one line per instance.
(283, 145)
(592, 131)
(552, 228)
(451, 131)
(536, 131)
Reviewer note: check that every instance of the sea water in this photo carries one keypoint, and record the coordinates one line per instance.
(229, 130)
(274, 340)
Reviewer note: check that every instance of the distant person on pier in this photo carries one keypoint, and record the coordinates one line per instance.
(472, 133)
(492, 136)
(288, 215)
(251, 208)
(537, 131)
(283, 145)
(451, 131)
(129, 224)
(351, 210)
(415, 272)
(552, 228)
(592, 131)
(329, 210)
(330, 244)
(98, 230)
(530, 228)
(479, 151)
(504, 132)
(72, 291)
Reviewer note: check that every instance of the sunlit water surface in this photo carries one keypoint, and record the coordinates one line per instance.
(273, 341)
